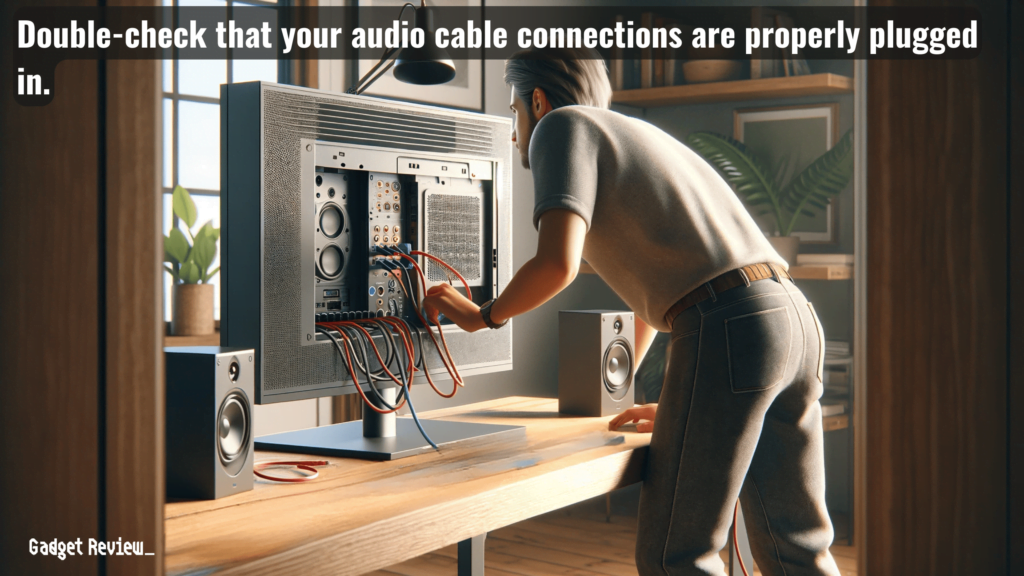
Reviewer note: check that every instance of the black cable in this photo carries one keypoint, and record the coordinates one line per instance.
(357, 335)
(408, 399)
(406, 389)
(354, 356)
(378, 375)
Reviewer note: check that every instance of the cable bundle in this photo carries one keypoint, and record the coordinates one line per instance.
(356, 339)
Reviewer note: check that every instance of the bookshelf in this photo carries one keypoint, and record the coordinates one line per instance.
(735, 90)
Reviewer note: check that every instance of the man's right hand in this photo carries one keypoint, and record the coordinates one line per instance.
(645, 412)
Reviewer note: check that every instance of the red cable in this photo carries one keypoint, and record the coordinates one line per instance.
(452, 369)
(302, 465)
(426, 372)
(355, 380)
(465, 284)
(376, 351)
(735, 541)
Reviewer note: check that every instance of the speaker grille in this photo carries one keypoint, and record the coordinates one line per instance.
(453, 235)
(234, 426)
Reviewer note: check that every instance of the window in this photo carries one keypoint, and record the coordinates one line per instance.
(191, 122)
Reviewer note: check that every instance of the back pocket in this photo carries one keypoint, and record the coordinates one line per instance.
(758, 345)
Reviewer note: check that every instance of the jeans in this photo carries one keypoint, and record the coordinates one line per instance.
(739, 417)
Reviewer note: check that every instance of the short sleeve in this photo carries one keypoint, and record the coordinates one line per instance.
(564, 152)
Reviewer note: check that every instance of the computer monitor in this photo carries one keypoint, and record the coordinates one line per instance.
(330, 203)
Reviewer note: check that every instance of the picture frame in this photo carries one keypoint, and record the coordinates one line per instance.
(464, 92)
(802, 133)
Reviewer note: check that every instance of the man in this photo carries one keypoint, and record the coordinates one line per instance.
(738, 414)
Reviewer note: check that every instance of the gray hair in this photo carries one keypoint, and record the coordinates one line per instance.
(567, 76)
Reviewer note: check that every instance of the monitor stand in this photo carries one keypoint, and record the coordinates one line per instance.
(383, 436)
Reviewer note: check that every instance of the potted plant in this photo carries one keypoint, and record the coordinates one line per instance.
(188, 260)
(763, 187)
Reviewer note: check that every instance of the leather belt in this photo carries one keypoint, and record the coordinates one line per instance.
(732, 279)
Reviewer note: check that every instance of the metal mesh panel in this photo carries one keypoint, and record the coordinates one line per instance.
(454, 235)
(289, 116)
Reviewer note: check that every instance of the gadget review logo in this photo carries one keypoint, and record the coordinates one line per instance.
(62, 549)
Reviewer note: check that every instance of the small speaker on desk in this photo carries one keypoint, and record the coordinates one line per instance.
(595, 362)
(209, 421)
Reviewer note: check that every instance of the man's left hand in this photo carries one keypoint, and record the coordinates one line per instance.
(447, 300)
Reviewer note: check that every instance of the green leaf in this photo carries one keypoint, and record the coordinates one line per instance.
(211, 274)
(819, 182)
(207, 230)
(204, 252)
(189, 273)
(176, 246)
(749, 175)
(183, 206)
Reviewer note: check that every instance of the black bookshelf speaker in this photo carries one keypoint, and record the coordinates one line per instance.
(595, 362)
(209, 444)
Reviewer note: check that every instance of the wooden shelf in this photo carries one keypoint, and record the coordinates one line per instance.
(822, 272)
(837, 422)
(761, 89)
(209, 340)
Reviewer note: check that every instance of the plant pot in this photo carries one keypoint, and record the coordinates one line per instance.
(192, 310)
(786, 246)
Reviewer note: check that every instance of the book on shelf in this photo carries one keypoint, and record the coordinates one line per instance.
(824, 259)
(791, 64)
(646, 54)
(616, 66)
(658, 54)
(765, 63)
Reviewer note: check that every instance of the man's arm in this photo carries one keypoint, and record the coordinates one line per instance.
(559, 248)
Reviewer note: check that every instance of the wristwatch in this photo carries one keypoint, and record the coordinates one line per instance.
(485, 311)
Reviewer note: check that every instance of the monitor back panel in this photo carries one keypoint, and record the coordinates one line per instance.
(313, 184)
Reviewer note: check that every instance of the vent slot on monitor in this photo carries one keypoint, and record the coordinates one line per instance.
(372, 124)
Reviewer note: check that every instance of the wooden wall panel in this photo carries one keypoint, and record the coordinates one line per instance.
(135, 392)
(80, 355)
(1015, 407)
(937, 310)
(49, 306)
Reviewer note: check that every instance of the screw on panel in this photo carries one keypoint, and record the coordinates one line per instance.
(309, 336)
(309, 147)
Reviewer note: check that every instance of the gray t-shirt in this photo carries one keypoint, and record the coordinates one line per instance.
(660, 220)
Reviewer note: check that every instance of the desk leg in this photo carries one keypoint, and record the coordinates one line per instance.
(471, 556)
(741, 536)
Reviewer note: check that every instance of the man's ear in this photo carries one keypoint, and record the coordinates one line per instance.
(540, 104)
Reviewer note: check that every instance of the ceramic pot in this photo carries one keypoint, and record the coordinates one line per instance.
(787, 247)
(192, 310)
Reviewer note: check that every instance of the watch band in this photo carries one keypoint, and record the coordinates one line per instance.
(485, 312)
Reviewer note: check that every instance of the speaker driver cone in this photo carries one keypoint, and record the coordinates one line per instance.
(332, 221)
(233, 431)
(617, 367)
(331, 262)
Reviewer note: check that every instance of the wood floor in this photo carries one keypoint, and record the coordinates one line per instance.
(564, 543)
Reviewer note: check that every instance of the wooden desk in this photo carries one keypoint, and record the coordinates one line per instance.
(361, 516)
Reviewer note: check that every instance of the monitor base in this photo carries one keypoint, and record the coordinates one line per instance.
(346, 440)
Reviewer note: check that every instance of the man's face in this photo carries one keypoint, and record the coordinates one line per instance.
(524, 125)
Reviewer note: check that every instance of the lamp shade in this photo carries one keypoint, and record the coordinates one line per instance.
(426, 65)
